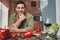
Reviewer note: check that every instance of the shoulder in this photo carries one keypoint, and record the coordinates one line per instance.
(13, 15)
(29, 15)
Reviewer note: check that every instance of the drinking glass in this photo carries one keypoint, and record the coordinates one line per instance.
(47, 24)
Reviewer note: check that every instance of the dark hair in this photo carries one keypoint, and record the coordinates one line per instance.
(20, 2)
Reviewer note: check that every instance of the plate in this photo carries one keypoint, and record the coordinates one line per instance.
(37, 34)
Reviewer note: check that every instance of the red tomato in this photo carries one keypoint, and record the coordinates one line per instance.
(18, 34)
(39, 29)
(13, 35)
(28, 34)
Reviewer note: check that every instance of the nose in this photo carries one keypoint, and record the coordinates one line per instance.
(20, 9)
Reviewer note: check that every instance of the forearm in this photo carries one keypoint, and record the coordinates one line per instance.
(15, 29)
(17, 23)
(21, 18)
(21, 30)
(25, 29)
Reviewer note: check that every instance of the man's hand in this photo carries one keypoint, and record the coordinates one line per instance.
(21, 17)
(13, 29)
(18, 22)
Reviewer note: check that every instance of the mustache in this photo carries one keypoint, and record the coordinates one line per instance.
(20, 12)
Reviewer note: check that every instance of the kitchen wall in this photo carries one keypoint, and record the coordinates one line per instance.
(48, 10)
(58, 11)
(51, 10)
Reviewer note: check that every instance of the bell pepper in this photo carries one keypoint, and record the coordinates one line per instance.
(28, 34)
(4, 33)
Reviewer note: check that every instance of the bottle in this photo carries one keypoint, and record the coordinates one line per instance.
(41, 17)
(41, 21)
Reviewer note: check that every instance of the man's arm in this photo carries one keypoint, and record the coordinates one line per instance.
(14, 25)
(30, 25)
(18, 22)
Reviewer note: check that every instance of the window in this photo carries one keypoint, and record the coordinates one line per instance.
(33, 3)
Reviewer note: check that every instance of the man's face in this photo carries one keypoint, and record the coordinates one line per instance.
(20, 8)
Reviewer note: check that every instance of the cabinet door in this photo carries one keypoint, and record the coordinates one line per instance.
(3, 14)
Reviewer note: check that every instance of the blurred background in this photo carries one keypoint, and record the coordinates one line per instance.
(40, 9)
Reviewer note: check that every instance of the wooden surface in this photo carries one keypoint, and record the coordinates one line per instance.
(26, 38)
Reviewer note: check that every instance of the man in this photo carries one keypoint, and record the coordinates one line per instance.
(21, 21)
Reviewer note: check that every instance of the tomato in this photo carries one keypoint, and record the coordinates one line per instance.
(18, 34)
(13, 35)
(28, 34)
(1, 37)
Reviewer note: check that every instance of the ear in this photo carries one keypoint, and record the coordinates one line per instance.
(15, 9)
(25, 9)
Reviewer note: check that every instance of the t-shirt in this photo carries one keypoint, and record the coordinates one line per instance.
(26, 24)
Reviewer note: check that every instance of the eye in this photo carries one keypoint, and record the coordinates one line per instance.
(22, 8)
(18, 7)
